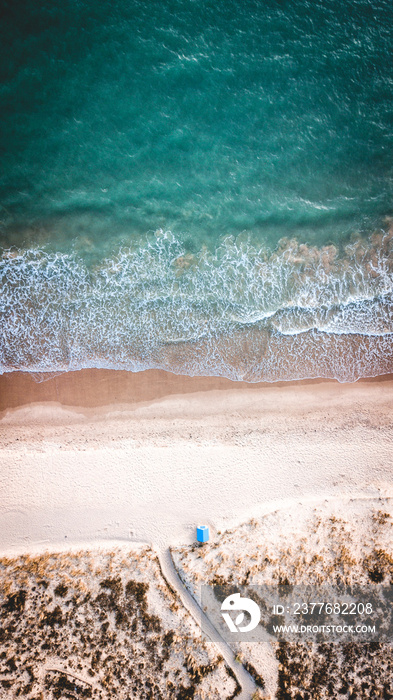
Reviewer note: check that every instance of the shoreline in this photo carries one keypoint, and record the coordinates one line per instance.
(97, 388)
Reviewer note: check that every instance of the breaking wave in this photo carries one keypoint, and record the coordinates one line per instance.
(241, 312)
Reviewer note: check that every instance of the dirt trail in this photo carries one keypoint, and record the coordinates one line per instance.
(172, 577)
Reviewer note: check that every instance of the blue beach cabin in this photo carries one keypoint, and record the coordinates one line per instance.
(202, 533)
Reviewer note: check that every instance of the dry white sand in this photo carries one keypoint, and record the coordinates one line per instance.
(152, 470)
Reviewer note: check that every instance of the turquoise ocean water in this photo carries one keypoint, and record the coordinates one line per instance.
(204, 187)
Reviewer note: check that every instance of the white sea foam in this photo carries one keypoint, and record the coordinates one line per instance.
(240, 312)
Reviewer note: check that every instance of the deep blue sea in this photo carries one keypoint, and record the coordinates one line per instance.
(204, 187)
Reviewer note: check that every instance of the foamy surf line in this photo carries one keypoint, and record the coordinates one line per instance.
(239, 312)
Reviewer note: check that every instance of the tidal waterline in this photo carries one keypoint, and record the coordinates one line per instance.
(157, 157)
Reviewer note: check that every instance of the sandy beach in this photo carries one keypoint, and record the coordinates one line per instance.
(101, 459)
(100, 455)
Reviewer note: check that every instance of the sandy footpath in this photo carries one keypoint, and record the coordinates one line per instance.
(87, 457)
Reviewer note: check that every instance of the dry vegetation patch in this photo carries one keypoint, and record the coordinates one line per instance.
(347, 543)
(100, 625)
